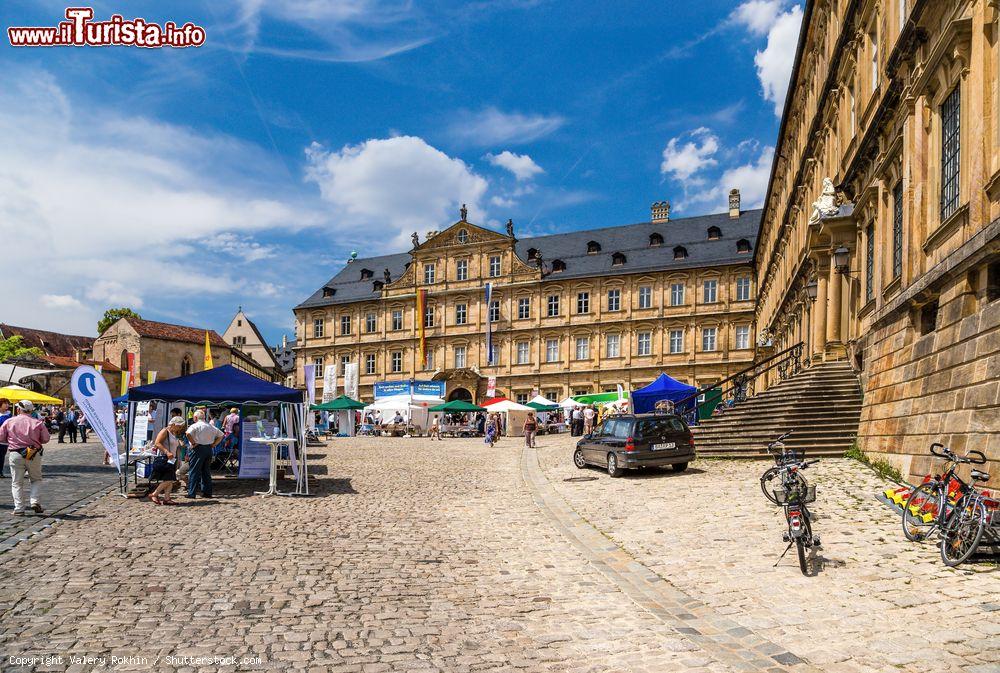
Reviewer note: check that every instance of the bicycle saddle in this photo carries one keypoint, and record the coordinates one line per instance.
(980, 476)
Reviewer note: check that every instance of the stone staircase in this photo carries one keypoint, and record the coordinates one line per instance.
(821, 405)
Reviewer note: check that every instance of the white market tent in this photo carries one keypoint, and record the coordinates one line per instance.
(514, 413)
(569, 403)
(413, 408)
(538, 399)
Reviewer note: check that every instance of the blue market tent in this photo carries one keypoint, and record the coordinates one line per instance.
(221, 384)
(663, 388)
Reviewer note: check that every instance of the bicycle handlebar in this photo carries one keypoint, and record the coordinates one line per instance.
(972, 456)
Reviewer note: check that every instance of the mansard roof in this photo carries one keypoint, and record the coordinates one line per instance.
(570, 247)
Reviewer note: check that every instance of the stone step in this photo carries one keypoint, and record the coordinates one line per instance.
(775, 429)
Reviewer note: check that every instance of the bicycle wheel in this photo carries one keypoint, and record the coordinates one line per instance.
(920, 512)
(961, 535)
(800, 546)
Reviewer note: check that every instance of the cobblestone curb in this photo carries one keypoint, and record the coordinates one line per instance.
(44, 526)
(718, 636)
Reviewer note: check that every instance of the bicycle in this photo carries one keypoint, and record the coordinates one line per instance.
(793, 496)
(963, 532)
(930, 504)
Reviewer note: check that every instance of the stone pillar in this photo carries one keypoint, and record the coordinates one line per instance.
(834, 310)
(819, 317)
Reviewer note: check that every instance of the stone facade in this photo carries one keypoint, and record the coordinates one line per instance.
(608, 329)
(894, 264)
(243, 335)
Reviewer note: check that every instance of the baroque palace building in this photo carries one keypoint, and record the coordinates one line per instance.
(879, 234)
(572, 313)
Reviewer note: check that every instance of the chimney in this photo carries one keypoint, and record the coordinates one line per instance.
(660, 211)
(734, 204)
(284, 341)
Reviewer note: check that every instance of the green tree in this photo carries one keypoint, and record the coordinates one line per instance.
(114, 314)
(13, 348)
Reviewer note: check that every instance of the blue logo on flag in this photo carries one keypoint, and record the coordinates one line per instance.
(87, 384)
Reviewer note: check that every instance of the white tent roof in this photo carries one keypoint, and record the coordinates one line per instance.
(17, 373)
(538, 399)
(403, 402)
(570, 402)
(507, 405)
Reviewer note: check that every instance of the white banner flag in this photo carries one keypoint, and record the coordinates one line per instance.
(309, 372)
(351, 380)
(91, 394)
(491, 387)
(330, 383)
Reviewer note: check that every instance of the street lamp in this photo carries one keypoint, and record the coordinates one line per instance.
(842, 259)
(812, 287)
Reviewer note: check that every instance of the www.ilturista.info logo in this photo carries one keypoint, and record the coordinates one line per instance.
(79, 30)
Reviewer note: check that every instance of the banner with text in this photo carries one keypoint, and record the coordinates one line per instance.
(91, 394)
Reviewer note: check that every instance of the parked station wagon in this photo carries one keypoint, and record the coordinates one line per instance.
(631, 441)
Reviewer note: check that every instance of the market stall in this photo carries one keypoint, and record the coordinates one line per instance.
(458, 418)
(344, 407)
(412, 407)
(282, 415)
(514, 414)
(664, 388)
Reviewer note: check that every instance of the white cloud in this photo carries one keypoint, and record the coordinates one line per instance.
(243, 247)
(758, 16)
(682, 160)
(521, 166)
(490, 126)
(397, 184)
(774, 63)
(750, 178)
(114, 205)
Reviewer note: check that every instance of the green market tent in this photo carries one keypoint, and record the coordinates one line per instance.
(457, 407)
(342, 403)
(598, 398)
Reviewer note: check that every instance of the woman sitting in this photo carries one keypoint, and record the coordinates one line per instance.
(166, 447)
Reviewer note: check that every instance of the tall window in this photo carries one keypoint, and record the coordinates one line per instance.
(428, 273)
(645, 297)
(462, 269)
(742, 289)
(397, 362)
(676, 341)
(742, 336)
(897, 230)
(873, 43)
(614, 345)
(583, 348)
(345, 324)
(370, 323)
(397, 319)
(614, 300)
(494, 355)
(428, 316)
(318, 364)
(495, 310)
(523, 308)
(494, 266)
(523, 356)
(870, 261)
(344, 361)
(553, 305)
(902, 14)
(185, 366)
(370, 363)
(461, 314)
(459, 357)
(583, 302)
(552, 350)
(951, 152)
(711, 288)
(644, 343)
(429, 359)
(709, 337)
(677, 294)
(318, 328)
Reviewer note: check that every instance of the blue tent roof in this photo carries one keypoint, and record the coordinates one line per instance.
(663, 388)
(221, 384)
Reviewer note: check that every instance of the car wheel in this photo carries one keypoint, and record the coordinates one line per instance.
(679, 467)
(578, 459)
(613, 470)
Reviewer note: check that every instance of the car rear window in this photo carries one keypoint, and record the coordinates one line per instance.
(659, 426)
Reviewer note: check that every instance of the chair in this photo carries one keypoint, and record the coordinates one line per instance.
(226, 455)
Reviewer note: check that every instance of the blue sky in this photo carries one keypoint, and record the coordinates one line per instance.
(187, 182)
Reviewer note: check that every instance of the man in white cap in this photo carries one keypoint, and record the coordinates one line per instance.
(24, 436)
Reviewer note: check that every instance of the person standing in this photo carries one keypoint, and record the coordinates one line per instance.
(204, 438)
(24, 435)
(4, 417)
(81, 423)
(166, 446)
(588, 419)
(71, 426)
(61, 424)
(530, 428)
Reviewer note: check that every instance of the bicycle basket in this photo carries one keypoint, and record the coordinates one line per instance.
(795, 495)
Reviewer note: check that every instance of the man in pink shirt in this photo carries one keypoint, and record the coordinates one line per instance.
(24, 434)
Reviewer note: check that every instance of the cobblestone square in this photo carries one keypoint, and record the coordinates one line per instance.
(453, 556)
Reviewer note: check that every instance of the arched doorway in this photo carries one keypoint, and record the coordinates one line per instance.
(460, 394)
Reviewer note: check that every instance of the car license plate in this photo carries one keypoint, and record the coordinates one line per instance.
(665, 445)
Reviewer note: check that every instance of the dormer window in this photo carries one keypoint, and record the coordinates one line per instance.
(617, 259)
(743, 245)
(377, 286)
(366, 274)
(655, 240)
(714, 233)
(680, 252)
(593, 247)
(329, 291)
(532, 253)
(558, 265)
(463, 236)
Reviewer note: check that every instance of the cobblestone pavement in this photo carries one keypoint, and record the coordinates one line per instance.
(451, 556)
(70, 473)
(876, 602)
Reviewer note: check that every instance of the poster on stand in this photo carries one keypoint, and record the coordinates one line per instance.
(255, 457)
(140, 426)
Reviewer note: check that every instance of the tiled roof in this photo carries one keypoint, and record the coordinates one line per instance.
(53, 343)
(170, 332)
(70, 362)
(285, 356)
(631, 240)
